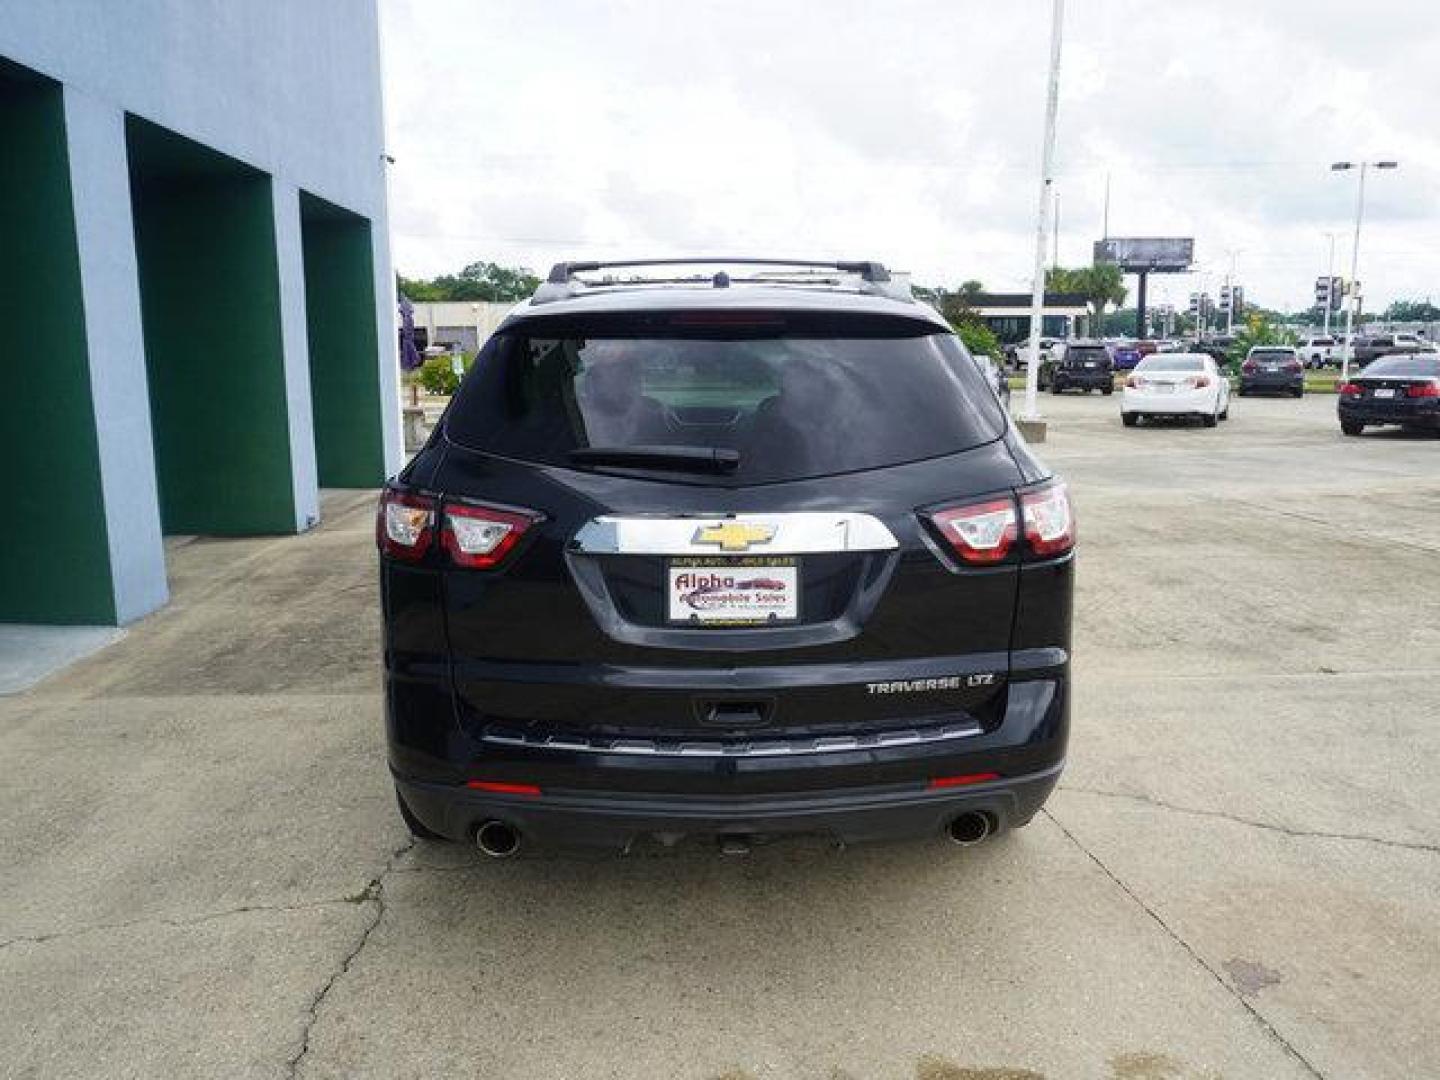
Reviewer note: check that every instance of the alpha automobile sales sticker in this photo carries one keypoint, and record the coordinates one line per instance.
(734, 592)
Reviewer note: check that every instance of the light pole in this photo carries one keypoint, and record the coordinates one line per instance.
(1363, 166)
(1047, 178)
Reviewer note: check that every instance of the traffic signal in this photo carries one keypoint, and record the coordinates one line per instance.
(1237, 299)
(1194, 303)
(1224, 297)
(1328, 292)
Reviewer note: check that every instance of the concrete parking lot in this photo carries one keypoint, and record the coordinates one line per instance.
(1240, 877)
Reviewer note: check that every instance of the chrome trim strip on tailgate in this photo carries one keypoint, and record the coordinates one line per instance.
(754, 534)
(820, 744)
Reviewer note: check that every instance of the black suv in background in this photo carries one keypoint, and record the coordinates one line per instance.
(748, 553)
(1273, 368)
(1082, 366)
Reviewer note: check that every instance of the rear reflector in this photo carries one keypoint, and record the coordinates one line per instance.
(500, 787)
(1049, 520)
(405, 524)
(481, 536)
(982, 533)
(961, 781)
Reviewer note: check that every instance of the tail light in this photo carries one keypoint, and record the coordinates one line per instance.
(1350, 389)
(1132, 382)
(405, 524)
(1293, 365)
(1248, 367)
(481, 537)
(474, 535)
(1199, 381)
(1049, 520)
(982, 533)
(1429, 389)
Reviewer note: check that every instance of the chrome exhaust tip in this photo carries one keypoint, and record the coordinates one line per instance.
(969, 828)
(497, 839)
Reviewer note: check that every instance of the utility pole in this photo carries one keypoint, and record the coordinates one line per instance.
(1364, 166)
(1105, 218)
(1047, 178)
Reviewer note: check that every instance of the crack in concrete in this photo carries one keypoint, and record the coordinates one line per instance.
(1174, 936)
(178, 923)
(1284, 830)
(374, 893)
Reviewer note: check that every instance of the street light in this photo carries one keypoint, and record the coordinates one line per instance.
(1031, 409)
(1363, 166)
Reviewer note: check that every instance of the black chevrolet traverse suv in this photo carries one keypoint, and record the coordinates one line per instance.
(730, 555)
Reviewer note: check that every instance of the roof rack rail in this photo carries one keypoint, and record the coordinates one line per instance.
(563, 282)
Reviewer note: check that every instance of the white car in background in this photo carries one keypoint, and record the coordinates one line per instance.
(1050, 349)
(1316, 352)
(1174, 385)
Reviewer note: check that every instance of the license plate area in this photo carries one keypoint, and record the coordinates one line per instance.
(740, 591)
(1384, 393)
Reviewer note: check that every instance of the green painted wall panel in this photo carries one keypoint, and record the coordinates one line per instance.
(54, 553)
(340, 318)
(209, 288)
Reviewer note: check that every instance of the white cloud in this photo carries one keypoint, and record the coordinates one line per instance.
(909, 131)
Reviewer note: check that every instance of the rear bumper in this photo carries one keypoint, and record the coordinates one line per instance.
(1070, 381)
(617, 820)
(1273, 382)
(1180, 403)
(856, 791)
(1421, 412)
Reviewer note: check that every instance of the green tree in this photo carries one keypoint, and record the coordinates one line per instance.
(1101, 285)
(979, 339)
(480, 281)
(1412, 311)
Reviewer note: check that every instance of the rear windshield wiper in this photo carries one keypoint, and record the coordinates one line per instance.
(700, 459)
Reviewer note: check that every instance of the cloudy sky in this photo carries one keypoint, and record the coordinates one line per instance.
(909, 131)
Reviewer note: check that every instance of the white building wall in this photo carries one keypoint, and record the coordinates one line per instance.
(291, 87)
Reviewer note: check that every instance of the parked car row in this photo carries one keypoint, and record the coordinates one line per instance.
(1329, 350)
(1398, 389)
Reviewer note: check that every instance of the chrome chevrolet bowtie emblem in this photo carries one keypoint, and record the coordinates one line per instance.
(734, 536)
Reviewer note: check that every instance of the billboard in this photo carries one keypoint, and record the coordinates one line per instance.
(1165, 254)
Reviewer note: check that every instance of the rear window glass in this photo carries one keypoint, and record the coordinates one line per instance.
(1404, 367)
(1272, 354)
(1086, 353)
(1161, 362)
(791, 406)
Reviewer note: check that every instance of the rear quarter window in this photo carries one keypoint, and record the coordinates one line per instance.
(792, 406)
